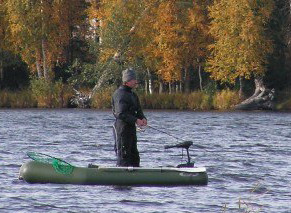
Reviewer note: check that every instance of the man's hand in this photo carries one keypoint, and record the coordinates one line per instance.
(142, 122)
(145, 122)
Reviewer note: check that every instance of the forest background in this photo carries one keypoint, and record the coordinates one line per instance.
(189, 54)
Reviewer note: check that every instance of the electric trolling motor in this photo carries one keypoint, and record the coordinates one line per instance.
(186, 145)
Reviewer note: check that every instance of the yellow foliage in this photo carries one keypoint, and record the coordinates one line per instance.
(102, 99)
(167, 36)
(36, 27)
(226, 99)
(241, 45)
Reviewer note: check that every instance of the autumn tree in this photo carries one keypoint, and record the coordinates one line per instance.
(241, 43)
(127, 33)
(2, 35)
(161, 37)
(117, 23)
(177, 39)
(39, 30)
(195, 40)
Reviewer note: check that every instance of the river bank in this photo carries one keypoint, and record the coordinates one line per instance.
(220, 100)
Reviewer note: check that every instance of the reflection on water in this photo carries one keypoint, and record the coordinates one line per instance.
(247, 156)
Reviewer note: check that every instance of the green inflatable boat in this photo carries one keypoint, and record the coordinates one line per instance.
(38, 172)
(47, 169)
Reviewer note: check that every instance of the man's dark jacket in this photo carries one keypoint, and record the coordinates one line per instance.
(126, 109)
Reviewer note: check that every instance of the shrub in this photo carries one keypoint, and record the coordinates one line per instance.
(207, 102)
(50, 94)
(160, 101)
(18, 99)
(199, 101)
(102, 99)
(4, 99)
(225, 99)
(195, 100)
(283, 100)
(180, 101)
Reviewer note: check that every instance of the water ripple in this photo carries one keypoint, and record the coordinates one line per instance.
(247, 156)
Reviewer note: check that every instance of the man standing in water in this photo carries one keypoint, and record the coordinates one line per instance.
(128, 113)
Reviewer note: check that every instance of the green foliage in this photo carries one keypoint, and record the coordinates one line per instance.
(50, 94)
(199, 101)
(285, 105)
(210, 88)
(283, 100)
(19, 99)
(84, 74)
(81, 75)
(225, 99)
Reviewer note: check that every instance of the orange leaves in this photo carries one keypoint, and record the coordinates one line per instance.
(34, 23)
(167, 35)
(167, 25)
(241, 44)
(167, 39)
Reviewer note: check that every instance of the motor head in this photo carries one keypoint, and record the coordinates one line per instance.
(184, 144)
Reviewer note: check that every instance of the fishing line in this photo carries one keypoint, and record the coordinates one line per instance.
(164, 132)
(184, 142)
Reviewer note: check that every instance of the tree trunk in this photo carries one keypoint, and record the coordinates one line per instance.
(170, 88)
(261, 99)
(187, 80)
(101, 34)
(38, 68)
(100, 82)
(38, 65)
(150, 81)
(146, 86)
(44, 61)
(1, 68)
(241, 87)
(200, 78)
(161, 87)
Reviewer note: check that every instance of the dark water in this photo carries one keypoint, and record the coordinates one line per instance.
(247, 156)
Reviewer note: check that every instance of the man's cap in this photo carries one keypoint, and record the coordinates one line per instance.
(128, 75)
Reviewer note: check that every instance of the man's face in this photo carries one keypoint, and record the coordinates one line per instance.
(132, 83)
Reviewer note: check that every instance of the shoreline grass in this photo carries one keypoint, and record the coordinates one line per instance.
(58, 96)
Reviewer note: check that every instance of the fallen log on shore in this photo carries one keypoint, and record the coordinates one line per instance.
(262, 99)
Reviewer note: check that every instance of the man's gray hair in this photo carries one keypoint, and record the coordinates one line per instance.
(128, 75)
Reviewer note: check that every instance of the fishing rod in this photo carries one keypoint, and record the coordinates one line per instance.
(163, 132)
(184, 143)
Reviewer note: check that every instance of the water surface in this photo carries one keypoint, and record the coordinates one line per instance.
(247, 156)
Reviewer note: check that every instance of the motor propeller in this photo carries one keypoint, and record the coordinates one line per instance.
(186, 145)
